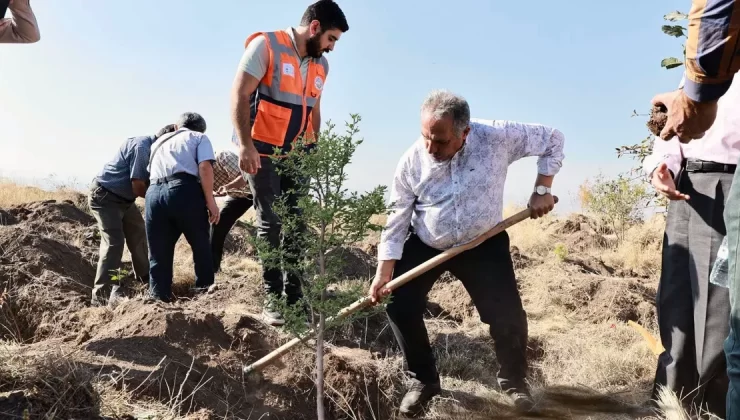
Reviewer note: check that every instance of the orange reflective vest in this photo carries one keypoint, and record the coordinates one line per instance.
(281, 106)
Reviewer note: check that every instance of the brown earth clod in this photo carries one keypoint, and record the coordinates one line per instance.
(658, 119)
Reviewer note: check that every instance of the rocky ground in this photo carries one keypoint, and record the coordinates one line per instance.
(63, 359)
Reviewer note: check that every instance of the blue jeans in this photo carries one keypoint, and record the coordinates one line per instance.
(175, 207)
(732, 344)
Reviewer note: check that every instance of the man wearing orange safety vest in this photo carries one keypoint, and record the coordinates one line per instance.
(276, 99)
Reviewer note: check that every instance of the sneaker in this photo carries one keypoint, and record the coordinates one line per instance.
(272, 316)
(417, 396)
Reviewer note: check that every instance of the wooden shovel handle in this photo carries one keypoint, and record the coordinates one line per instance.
(392, 285)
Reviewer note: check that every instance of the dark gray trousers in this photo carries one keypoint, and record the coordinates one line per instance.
(119, 223)
(693, 314)
(267, 186)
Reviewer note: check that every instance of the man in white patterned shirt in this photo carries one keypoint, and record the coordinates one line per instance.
(448, 190)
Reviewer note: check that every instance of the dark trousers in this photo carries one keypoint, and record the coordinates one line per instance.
(267, 185)
(233, 209)
(732, 345)
(692, 312)
(174, 208)
(487, 273)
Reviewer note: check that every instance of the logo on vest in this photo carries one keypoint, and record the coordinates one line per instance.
(318, 83)
(288, 69)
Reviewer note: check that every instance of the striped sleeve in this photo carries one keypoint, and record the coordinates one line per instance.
(712, 48)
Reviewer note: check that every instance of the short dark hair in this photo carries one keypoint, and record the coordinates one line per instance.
(192, 121)
(329, 15)
(169, 128)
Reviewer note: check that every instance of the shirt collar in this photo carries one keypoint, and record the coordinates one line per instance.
(291, 34)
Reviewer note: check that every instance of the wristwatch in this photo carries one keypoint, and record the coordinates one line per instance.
(542, 190)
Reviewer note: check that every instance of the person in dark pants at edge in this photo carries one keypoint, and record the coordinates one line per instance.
(447, 191)
(692, 312)
(228, 181)
(112, 201)
(276, 99)
(712, 60)
(180, 201)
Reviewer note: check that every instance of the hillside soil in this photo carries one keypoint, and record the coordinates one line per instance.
(145, 359)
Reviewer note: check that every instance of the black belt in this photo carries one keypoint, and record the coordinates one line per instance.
(178, 176)
(696, 165)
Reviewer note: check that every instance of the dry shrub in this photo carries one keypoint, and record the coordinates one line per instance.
(12, 194)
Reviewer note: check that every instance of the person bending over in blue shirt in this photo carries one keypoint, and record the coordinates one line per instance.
(111, 200)
(180, 201)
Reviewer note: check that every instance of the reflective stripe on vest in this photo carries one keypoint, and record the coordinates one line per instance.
(281, 106)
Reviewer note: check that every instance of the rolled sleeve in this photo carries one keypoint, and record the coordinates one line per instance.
(524, 140)
(402, 201)
(550, 162)
(712, 49)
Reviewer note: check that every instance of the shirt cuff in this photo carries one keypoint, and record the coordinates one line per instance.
(704, 92)
(548, 166)
(390, 251)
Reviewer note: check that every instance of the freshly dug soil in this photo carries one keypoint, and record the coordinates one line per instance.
(658, 118)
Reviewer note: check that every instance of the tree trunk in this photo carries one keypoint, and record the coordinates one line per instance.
(320, 411)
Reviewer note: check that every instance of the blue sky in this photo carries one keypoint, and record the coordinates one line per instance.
(106, 70)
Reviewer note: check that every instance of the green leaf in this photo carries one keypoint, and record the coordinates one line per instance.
(674, 30)
(676, 16)
(671, 62)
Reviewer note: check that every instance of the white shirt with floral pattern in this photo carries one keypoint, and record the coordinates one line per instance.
(450, 203)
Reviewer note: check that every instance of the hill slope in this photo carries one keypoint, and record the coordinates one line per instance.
(183, 360)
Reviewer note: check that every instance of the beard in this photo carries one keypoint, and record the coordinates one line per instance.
(313, 46)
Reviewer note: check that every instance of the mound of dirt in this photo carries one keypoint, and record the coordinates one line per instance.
(192, 351)
(452, 300)
(603, 299)
(574, 223)
(579, 233)
(34, 254)
(520, 260)
(658, 119)
(51, 212)
(239, 240)
(354, 262)
(357, 385)
(45, 279)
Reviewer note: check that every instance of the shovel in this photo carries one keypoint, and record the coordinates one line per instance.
(392, 285)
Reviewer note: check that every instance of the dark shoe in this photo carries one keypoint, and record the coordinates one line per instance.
(272, 316)
(417, 396)
(522, 399)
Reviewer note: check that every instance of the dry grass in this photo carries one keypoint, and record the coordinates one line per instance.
(54, 387)
(12, 194)
(530, 235)
(640, 251)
